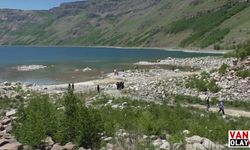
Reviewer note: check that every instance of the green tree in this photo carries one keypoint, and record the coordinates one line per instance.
(80, 124)
(36, 121)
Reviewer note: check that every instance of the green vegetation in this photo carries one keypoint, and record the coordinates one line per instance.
(223, 69)
(76, 123)
(83, 125)
(241, 52)
(36, 121)
(213, 37)
(79, 124)
(206, 23)
(202, 83)
(243, 73)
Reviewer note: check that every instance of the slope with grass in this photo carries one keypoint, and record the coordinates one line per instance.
(144, 23)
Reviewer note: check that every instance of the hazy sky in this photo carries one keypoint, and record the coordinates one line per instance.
(31, 4)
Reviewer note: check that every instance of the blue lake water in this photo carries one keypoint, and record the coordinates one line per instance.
(65, 64)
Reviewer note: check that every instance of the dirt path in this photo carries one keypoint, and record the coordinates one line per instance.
(228, 111)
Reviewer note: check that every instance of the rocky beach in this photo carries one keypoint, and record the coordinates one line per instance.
(149, 84)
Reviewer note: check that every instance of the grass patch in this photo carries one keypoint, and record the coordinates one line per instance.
(214, 37)
(202, 83)
(242, 51)
(243, 73)
(223, 69)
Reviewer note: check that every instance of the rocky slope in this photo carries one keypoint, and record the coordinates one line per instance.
(149, 23)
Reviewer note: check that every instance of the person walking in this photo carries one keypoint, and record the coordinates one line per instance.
(208, 102)
(221, 107)
(73, 86)
(69, 87)
(98, 88)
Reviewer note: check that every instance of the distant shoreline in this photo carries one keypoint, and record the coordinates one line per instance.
(117, 47)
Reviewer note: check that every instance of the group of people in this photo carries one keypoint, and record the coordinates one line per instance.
(71, 86)
(220, 105)
(120, 85)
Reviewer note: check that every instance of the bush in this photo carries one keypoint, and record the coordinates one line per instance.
(202, 83)
(223, 68)
(76, 123)
(80, 124)
(241, 52)
(243, 73)
(36, 121)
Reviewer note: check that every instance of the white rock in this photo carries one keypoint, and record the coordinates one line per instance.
(69, 146)
(57, 147)
(186, 132)
(165, 146)
(108, 139)
(115, 106)
(11, 146)
(10, 113)
(198, 146)
(193, 139)
(87, 69)
(209, 145)
(158, 142)
(145, 137)
(49, 141)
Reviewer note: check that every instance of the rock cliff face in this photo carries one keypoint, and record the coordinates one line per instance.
(146, 23)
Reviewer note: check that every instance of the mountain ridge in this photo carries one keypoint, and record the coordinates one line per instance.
(205, 24)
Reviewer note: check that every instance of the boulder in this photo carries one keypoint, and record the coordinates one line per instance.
(10, 113)
(48, 141)
(6, 121)
(158, 142)
(3, 142)
(57, 147)
(69, 146)
(178, 146)
(209, 145)
(198, 146)
(165, 146)
(189, 147)
(194, 139)
(186, 132)
(11, 146)
(108, 139)
(6, 83)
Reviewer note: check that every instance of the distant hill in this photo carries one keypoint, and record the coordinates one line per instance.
(219, 24)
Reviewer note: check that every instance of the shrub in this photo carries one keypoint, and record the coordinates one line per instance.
(223, 68)
(202, 83)
(243, 73)
(36, 121)
(213, 87)
(241, 52)
(80, 124)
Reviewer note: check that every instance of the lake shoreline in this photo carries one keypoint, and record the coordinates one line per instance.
(198, 50)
